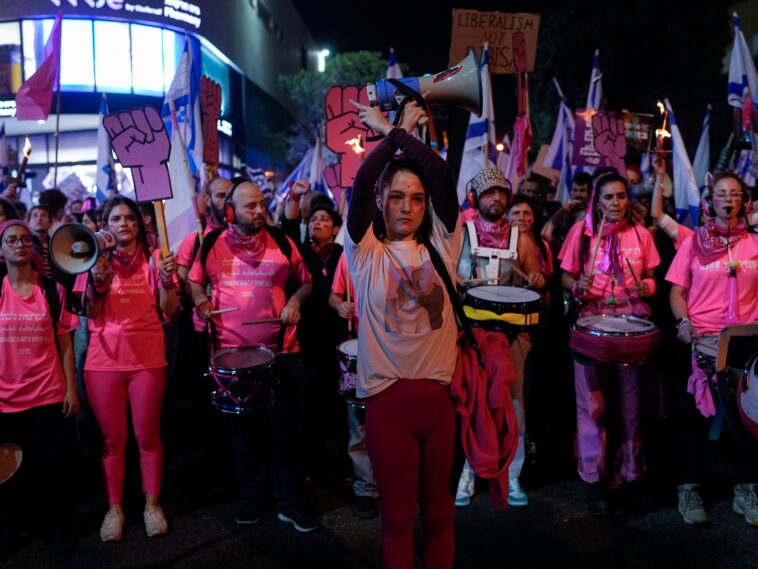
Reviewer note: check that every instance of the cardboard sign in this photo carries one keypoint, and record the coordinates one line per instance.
(345, 133)
(472, 28)
(140, 141)
(210, 97)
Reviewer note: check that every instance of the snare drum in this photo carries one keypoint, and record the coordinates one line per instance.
(348, 354)
(244, 379)
(614, 339)
(747, 397)
(502, 308)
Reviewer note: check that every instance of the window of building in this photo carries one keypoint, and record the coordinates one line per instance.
(10, 58)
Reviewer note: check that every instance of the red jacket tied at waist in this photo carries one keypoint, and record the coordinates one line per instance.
(489, 431)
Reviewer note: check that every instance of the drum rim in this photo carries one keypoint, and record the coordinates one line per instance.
(605, 333)
(514, 301)
(234, 371)
(341, 351)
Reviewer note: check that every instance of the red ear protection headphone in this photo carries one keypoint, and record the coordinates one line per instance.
(229, 213)
(471, 198)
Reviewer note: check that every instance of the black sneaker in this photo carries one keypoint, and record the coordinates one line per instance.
(249, 514)
(303, 520)
(364, 507)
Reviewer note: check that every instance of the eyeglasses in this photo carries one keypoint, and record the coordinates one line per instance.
(728, 195)
(25, 240)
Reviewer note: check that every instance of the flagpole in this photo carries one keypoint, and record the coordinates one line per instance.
(176, 127)
(57, 128)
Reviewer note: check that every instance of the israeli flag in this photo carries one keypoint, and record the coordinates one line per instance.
(561, 149)
(479, 148)
(686, 193)
(741, 69)
(595, 92)
(104, 179)
(393, 67)
(701, 163)
(185, 94)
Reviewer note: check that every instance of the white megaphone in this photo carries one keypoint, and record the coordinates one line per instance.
(461, 85)
(74, 248)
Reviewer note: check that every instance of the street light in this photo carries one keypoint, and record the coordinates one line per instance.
(322, 55)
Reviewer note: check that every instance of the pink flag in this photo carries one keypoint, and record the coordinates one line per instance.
(36, 93)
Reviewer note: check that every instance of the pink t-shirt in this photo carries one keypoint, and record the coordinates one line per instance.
(258, 292)
(184, 258)
(31, 374)
(707, 286)
(340, 282)
(127, 333)
(636, 245)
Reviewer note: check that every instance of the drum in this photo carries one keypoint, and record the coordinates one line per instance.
(348, 355)
(502, 308)
(610, 339)
(244, 379)
(10, 460)
(747, 397)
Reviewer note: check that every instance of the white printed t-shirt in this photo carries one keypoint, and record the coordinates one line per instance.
(408, 328)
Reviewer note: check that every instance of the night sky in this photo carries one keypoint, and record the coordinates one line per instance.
(647, 52)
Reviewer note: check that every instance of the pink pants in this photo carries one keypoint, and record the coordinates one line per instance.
(108, 394)
(590, 382)
(411, 433)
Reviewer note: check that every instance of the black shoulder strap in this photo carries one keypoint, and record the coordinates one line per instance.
(439, 265)
(281, 240)
(196, 246)
(208, 242)
(53, 301)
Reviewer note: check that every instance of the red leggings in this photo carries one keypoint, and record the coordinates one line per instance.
(109, 392)
(410, 433)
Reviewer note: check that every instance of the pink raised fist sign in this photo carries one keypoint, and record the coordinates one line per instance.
(140, 141)
(210, 95)
(345, 134)
(610, 141)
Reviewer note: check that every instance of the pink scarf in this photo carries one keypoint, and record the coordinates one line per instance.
(712, 240)
(611, 262)
(492, 235)
(248, 248)
(126, 264)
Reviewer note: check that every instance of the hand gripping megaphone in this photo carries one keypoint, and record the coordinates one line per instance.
(461, 85)
(74, 248)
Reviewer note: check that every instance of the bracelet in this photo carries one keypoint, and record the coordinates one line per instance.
(168, 285)
(682, 322)
(575, 290)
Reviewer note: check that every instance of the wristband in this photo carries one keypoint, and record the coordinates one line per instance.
(682, 322)
(168, 285)
(295, 197)
(651, 286)
(95, 292)
(575, 290)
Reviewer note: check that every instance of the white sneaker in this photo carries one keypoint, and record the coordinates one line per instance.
(746, 502)
(465, 487)
(691, 505)
(516, 495)
(113, 526)
(155, 522)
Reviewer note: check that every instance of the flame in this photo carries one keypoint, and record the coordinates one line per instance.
(27, 147)
(355, 143)
(662, 133)
(661, 107)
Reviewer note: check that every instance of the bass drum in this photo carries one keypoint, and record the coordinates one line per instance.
(747, 397)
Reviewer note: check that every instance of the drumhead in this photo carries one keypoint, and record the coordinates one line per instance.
(349, 347)
(242, 358)
(747, 397)
(608, 324)
(502, 293)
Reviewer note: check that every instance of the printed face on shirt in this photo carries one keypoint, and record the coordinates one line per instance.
(123, 224)
(250, 208)
(39, 220)
(16, 245)
(403, 203)
(613, 201)
(492, 203)
(727, 200)
(522, 216)
(215, 194)
(321, 228)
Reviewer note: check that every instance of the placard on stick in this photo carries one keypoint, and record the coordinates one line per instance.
(140, 141)
(471, 28)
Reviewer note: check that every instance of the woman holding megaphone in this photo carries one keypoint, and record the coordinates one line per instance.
(407, 343)
(124, 294)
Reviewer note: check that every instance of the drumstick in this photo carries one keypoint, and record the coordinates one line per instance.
(516, 270)
(631, 270)
(597, 245)
(263, 321)
(347, 297)
(223, 310)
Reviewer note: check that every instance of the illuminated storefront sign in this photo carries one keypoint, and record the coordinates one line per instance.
(168, 10)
